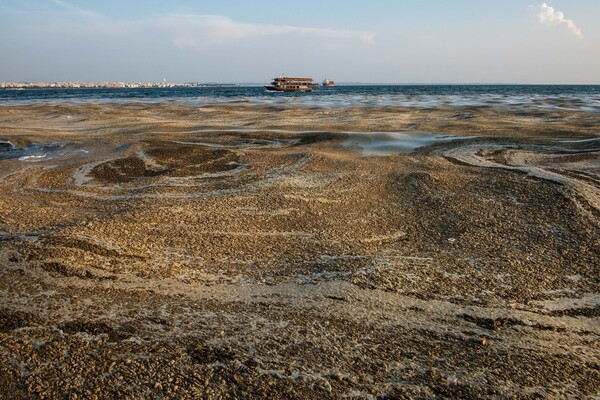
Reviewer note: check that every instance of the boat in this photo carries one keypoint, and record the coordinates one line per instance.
(288, 84)
(328, 82)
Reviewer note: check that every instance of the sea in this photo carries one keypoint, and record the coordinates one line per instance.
(520, 97)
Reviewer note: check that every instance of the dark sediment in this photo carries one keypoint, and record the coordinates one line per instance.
(162, 257)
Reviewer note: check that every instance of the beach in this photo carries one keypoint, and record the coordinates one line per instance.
(169, 250)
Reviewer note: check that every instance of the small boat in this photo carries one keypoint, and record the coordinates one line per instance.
(287, 84)
(328, 82)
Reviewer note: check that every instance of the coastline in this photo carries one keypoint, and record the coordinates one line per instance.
(245, 251)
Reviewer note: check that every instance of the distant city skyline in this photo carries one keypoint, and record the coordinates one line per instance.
(403, 42)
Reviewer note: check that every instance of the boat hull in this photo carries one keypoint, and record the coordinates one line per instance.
(281, 89)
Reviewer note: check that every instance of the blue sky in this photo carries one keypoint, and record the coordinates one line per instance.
(376, 41)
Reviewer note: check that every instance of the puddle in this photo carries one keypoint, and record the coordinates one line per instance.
(388, 143)
(581, 140)
(37, 151)
(6, 147)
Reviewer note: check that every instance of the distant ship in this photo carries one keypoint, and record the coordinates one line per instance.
(287, 84)
(328, 82)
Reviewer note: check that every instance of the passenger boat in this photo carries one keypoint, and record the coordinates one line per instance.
(287, 84)
(328, 82)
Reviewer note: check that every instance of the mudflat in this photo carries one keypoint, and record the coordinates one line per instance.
(168, 251)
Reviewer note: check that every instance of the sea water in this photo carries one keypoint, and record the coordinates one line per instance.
(518, 97)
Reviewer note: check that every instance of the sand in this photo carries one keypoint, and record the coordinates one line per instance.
(166, 251)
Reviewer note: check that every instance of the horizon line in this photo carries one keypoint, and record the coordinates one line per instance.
(342, 83)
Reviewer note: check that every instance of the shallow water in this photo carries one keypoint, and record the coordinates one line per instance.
(517, 97)
(388, 143)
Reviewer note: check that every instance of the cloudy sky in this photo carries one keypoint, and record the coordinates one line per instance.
(375, 41)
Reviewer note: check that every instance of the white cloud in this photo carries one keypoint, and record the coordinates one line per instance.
(196, 31)
(548, 15)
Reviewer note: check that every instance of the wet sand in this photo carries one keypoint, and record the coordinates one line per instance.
(166, 251)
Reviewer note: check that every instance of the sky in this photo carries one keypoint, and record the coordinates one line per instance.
(239, 41)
